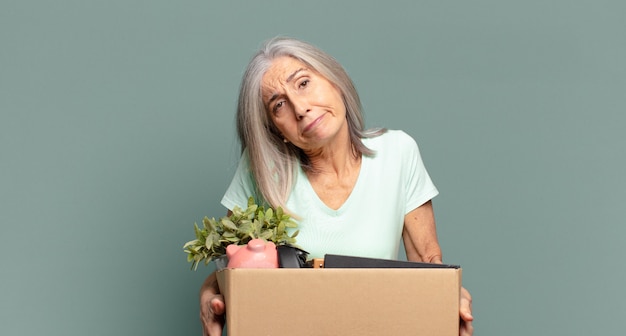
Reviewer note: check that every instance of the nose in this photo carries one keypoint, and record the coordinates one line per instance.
(300, 107)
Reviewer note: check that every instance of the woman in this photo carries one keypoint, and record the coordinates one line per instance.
(304, 147)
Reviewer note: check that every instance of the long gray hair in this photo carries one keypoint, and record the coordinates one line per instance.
(272, 161)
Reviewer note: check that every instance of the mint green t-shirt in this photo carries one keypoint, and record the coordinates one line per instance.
(369, 223)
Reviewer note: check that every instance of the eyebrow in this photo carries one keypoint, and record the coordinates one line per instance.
(289, 79)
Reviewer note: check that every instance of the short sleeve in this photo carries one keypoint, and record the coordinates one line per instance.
(419, 186)
(241, 187)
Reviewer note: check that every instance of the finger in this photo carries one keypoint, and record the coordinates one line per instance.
(212, 325)
(465, 309)
(466, 313)
(467, 329)
(212, 316)
(205, 325)
(217, 305)
(214, 329)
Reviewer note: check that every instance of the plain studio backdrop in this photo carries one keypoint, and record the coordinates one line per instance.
(117, 134)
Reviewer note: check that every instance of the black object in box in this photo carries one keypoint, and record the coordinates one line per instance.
(341, 261)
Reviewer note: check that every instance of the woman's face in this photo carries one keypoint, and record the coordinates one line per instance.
(305, 107)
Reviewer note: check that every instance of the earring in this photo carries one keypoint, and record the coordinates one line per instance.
(285, 140)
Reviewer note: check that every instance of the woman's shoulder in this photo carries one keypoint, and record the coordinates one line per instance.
(391, 138)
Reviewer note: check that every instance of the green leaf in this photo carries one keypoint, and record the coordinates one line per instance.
(251, 212)
(260, 216)
(213, 238)
(240, 227)
(212, 224)
(228, 224)
(190, 243)
(290, 223)
(237, 211)
(257, 226)
(281, 227)
(246, 227)
(206, 223)
(266, 235)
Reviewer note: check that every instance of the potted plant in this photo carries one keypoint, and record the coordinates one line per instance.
(255, 222)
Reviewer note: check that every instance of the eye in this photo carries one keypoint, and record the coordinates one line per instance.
(304, 83)
(278, 105)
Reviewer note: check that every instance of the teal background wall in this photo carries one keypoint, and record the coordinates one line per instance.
(117, 134)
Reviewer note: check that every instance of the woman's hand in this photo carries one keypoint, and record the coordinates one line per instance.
(465, 311)
(212, 308)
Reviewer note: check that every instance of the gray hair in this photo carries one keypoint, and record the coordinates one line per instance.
(272, 161)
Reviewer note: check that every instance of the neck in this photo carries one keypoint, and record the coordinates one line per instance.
(338, 159)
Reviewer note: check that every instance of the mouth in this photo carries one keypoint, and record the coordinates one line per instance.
(313, 124)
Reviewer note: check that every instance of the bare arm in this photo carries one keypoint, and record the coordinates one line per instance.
(421, 244)
(420, 235)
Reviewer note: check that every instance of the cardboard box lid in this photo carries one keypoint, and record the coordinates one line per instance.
(341, 301)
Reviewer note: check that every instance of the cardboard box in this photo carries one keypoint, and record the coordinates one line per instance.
(303, 302)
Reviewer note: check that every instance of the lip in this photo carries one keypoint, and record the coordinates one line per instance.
(313, 124)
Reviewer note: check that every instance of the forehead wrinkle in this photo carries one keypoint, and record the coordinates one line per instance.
(274, 79)
(293, 75)
(269, 92)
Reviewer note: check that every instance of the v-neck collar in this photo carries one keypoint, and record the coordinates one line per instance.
(346, 204)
